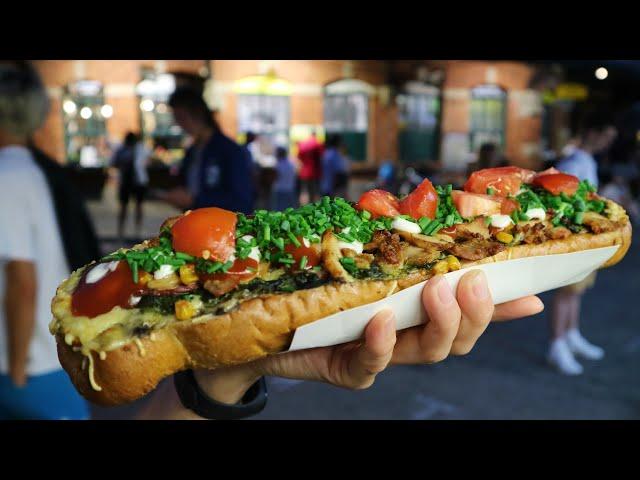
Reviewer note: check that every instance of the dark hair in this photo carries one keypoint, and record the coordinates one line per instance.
(130, 139)
(281, 152)
(249, 137)
(484, 155)
(334, 140)
(191, 100)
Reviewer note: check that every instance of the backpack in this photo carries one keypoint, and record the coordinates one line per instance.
(79, 238)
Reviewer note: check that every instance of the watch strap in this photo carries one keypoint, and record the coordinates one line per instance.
(195, 399)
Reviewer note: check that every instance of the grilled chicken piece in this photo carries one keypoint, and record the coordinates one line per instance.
(558, 233)
(331, 256)
(475, 229)
(598, 223)
(426, 242)
(362, 261)
(220, 287)
(476, 249)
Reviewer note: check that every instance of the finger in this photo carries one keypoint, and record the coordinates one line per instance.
(432, 343)
(477, 308)
(523, 307)
(372, 356)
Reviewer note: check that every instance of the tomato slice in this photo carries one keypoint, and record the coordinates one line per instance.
(503, 180)
(422, 202)
(312, 252)
(113, 290)
(474, 204)
(206, 229)
(379, 203)
(558, 183)
(508, 205)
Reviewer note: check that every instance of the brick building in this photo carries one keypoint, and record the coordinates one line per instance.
(408, 112)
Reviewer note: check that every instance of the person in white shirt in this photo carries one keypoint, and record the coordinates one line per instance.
(32, 262)
(567, 341)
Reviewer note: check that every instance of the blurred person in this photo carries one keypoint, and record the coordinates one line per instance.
(131, 160)
(616, 187)
(456, 321)
(488, 157)
(284, 193)
(310, 156)
(215, 171)
(44, 232)
(334, 178)
(567, 341)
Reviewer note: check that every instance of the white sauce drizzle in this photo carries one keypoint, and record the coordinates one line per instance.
(68, 339)
(500, 221)
(103, 355)
(356, 246)
(536, 213)
(163, 272)
(98, 272)
(133, 300)
(405, 225)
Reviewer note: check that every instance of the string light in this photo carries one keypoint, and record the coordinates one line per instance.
(147, 105)
(602, 73)
(86, 113)
(106, 111)
(69, 107)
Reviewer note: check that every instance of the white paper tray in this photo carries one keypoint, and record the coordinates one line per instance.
(508, 280)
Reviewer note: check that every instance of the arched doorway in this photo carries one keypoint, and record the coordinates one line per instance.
(488, 116)
(419, 109)
(346, 112)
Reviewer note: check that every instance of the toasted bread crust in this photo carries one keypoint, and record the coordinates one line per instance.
(263, 326)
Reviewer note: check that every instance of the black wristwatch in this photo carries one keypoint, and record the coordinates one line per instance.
(196, 400)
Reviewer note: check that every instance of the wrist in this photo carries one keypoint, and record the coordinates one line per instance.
(226, 385)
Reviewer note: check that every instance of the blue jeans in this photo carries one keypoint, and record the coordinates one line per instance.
(45, 397)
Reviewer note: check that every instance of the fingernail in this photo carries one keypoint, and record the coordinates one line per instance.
(479, 285)
(445, 294)
(387, 318)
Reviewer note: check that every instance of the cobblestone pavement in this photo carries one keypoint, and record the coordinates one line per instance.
(504, 377)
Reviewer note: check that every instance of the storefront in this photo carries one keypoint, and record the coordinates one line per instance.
(418, 123)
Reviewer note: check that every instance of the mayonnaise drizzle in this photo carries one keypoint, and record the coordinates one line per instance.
(98, 272)
(405, 225)
(102, 354)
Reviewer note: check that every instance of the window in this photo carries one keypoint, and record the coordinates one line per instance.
(265, 115)
(157, 125)
(346, 112)
(419, 114)
(84, 116)
(264, 107)
(488, 116)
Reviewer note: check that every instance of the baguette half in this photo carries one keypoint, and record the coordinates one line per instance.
(259, 327)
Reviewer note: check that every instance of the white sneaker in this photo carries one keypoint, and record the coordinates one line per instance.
(560, 357)
(580, 346)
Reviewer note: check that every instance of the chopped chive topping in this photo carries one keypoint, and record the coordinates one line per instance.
(303, 262)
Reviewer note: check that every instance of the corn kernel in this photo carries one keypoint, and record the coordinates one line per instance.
(504, 237)
(441, 267)
(184, 310)
(206, 254)
(453, 263)
(144, 277)
(188, 274)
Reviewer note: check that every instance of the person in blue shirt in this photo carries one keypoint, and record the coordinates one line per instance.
(567, 341)
(216, 171)
(335, 168)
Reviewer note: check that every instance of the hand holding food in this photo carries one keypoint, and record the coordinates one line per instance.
(217, 289)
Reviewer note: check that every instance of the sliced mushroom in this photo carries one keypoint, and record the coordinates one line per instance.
(331, 256)
(425, 242)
